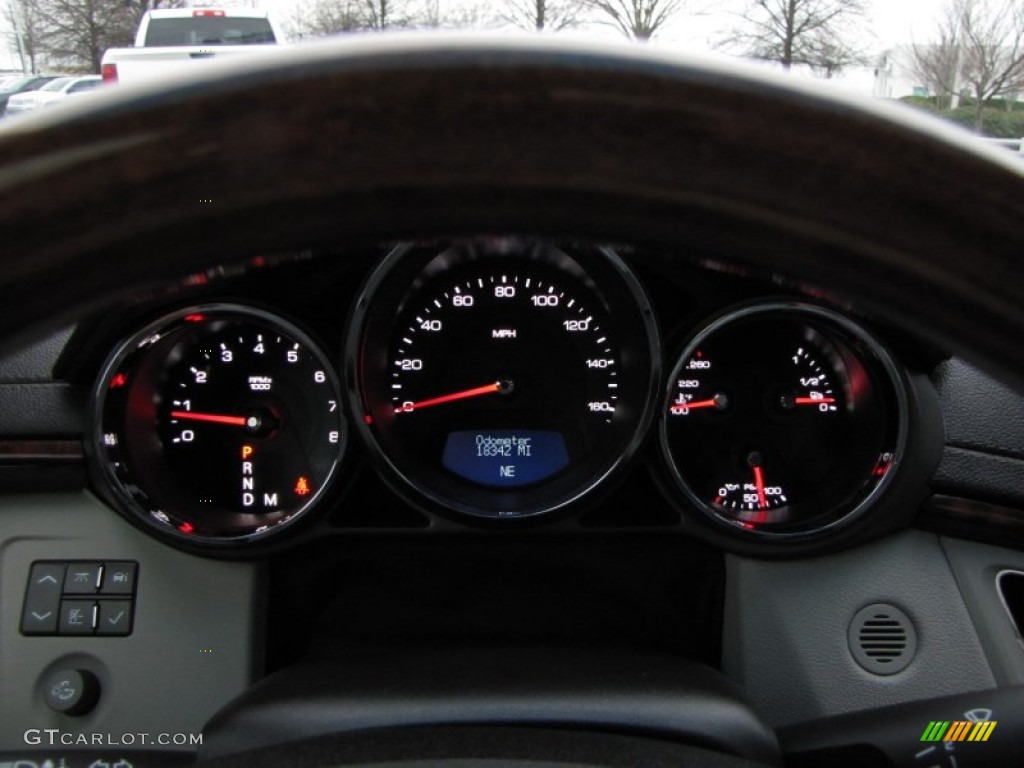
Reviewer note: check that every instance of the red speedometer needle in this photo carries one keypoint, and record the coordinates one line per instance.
(487, 389)
(759, 482)
(215, 418)
(812, 400)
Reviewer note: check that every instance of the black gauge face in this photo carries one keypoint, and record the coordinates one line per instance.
(782, 420)
(219, 423)
(502, 384)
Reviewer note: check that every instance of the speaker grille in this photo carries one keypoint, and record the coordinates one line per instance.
(882, 639)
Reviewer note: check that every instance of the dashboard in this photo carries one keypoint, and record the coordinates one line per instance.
(500, 383)
(440, 432)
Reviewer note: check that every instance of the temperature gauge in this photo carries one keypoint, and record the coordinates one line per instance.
(782, 419)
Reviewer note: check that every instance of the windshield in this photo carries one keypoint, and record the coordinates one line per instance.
(56, 85)
(14, 84)
(85, 85)
(912, 53)
(505, 386)
(208, 30)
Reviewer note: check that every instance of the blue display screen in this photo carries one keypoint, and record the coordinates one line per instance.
(505, 458)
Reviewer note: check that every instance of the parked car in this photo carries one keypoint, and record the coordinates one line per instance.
(16, 85)
(486, 402)
(51, 93)
(179, 42)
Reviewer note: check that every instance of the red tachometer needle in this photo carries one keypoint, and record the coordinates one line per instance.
(759, 482)
(487, 389)
(215, 418)
(812, 400)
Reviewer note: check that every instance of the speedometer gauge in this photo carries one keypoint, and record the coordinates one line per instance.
(783, 420)
(218, 423)
(502, 380)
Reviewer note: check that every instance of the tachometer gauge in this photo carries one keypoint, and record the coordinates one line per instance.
(783, 419)
(218, 423)
(502, 381)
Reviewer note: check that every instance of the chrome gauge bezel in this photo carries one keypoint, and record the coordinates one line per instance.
(114, 489)
(404, 272)
(832, 520)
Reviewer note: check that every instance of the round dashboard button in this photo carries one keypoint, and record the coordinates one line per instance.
(71, 691)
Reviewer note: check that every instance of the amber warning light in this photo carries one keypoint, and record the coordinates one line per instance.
(302, 486)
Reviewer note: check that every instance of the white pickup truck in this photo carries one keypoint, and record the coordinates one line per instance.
(170, 41)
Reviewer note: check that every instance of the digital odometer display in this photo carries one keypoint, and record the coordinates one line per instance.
(502, 382)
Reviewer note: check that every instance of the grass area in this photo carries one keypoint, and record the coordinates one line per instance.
(1001, 119)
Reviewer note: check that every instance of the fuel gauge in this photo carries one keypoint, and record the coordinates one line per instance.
(783, 419)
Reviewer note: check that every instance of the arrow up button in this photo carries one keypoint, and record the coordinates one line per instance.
(42, 599)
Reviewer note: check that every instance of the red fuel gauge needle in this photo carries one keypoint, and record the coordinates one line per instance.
(812, 400)
(487, 389)
(214, 418)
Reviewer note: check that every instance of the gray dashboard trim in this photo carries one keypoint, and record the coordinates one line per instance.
(785, 629)
(196, 642)
(976, 567)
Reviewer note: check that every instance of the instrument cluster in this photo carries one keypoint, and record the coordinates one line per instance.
(499, 380)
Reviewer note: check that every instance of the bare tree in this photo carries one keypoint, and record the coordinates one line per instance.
(328, 17)
(978, 46)
(464, 15)
(77, 32)
(639, 19)
(991, 50)
(26, 32)
(314, 18)
(936, 64)
(543, 15)
(818, 33)
(387, 14)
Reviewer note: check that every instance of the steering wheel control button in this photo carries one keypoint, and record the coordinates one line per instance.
(56, 602)
(79, 758)
(114, 618)
(42, 599)
(83, 578)
(77, 617)
(118, 578)
(71, 691)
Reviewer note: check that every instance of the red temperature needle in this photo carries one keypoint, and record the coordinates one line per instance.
(215, 418)
(759, 482)
(487, 389)
(812, 400)
(710, 403)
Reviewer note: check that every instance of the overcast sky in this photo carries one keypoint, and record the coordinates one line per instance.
(890, 22)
